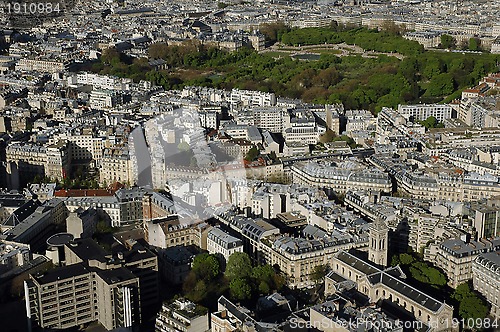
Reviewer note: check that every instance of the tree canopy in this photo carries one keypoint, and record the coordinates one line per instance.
(319, 272)
(474, 44)
(206, 266)
(447, 41)
(240, 289)
(470, 304)
(431, 122)
(266, 279)
(204, 280)
(246, 281)
(252, 154)
(238, 265)
(380, 41)
(420, 271)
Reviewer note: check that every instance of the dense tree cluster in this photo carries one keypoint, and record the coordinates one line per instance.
(246, 281)
(420, 271)
(447, 41)
(273, 31)
(240, 280)
(118, 64)
(205, 279)
(470, 304)
(380, 41)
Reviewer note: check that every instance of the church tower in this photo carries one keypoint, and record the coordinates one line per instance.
(379, 238)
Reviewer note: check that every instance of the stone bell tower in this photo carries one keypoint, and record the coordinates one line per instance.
(379, 242)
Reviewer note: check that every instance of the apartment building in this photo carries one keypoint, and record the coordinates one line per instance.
(475, 92)
(467, 159)
(13, 254)
(423, 111)
(116, 166)
(367, 204)
(270, 200)
(495, 46)
(269, 143)
(358, 120)
(236, 131)
(97, 81)
(333, 313)
(107, 207)
(272, 119)
(105, 99)
(457, 187)
(82, 223)
(27, 160)
(340, 179)
(209, 119)
(43, 191)
(58, 161)
(130, 202)
(302, 130)
(85, 145)
(133, 256)
(236, 148)
(429, 39)
(296, 256)
(33, 224)
(477, 187)
(222, 244)
(156, 205)
(423, 228)
(252, 98)
(476, 111)
(168, 232)
(258, 41)
(175, 263)
(230, 317)
(123, 207)
(41, 65)
(486, 279)
(455, 257)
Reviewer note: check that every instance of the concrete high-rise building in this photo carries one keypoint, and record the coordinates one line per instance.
(486, 219)
(76, 294)
(135, 257)
(112, 289)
